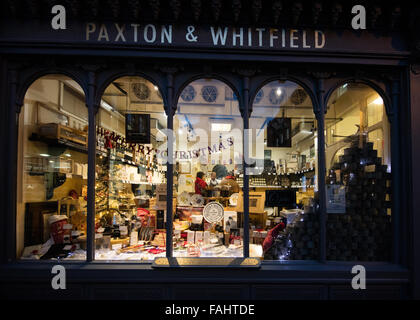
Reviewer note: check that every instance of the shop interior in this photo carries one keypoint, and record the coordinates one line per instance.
(209, 168)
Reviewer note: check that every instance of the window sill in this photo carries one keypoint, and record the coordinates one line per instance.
(270, 272)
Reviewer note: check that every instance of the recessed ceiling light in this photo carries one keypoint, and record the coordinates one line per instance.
(221, 127)
(378, 101)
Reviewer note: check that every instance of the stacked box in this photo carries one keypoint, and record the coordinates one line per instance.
(363, 232)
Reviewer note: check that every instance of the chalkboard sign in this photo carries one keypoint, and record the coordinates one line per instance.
(137, 128)
(279, 133)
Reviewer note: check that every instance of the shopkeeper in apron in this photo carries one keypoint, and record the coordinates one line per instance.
(200, 185)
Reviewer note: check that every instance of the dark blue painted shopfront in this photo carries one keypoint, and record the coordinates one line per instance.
(172, 43)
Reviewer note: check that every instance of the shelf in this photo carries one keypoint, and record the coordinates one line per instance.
(132, 182)
(280, 187)
(59, 143)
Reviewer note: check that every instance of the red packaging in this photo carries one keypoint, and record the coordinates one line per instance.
(57, 228)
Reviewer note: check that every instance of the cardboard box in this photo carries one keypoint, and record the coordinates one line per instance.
(58, 131)
(256, 202)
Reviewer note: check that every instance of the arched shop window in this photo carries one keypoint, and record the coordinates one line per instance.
(52, 171)
(358, 181)
(130, 172)
(208, 172)
(283, 168)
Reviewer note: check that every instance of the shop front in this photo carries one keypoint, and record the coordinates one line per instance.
(210, 154)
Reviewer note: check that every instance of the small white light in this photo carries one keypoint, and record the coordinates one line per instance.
(44, 155)
(278, 92)
(156, 88)
(180, 131)
(378, 101)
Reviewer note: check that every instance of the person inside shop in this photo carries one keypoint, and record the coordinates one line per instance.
(221, 171)
(200, 184)
(230, 182)
(213, 180)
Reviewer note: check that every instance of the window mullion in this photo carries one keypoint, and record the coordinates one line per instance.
(90, 237)
(245, 161)
(320, 114)
(169, 169)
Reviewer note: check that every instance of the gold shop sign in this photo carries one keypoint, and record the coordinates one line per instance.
(207, 262)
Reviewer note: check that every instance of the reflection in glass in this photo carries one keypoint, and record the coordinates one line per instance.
(358, 161)
(208, 219)
(52, 179)
(130, 172)
(283, 162)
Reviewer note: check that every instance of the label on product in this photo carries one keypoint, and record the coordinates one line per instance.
(370, 168)
(116, 246)
(198, 236)
(336, 198)
(134, 238)
(206, 237)
(213, 212)
(191, 236)
(123, 230)
(98, 235)
(100, 230)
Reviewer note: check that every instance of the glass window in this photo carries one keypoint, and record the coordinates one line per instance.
(52, 171)
(358, 181)
(208, 172)
(130, 172)
(283, 168)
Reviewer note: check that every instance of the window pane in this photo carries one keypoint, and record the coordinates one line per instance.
(208, 170)
(358, 176)
(283, 152)
(52, 181)
(130, 172)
